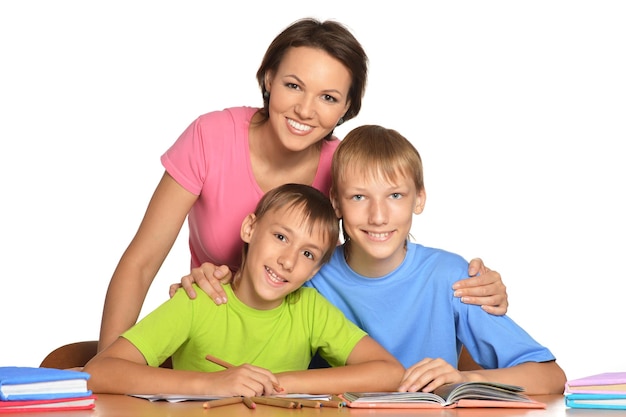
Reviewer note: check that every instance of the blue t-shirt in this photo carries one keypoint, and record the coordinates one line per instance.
(413, 313)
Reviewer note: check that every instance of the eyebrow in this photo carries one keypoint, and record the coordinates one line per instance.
(332, 90)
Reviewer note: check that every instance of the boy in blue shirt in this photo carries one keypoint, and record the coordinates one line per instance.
(398, 291)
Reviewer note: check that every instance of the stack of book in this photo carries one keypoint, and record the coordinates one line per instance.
(24, 389)
(607, 390)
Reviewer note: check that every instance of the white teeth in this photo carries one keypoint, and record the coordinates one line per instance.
(378, 235)
(274, 277)
(298, 126)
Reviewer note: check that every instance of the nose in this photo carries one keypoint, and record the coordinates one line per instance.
(305, 108)
(378, 213)
(287, 259)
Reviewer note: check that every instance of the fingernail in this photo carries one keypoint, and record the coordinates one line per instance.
(458, 293)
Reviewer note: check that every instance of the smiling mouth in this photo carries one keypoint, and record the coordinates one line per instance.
(275, 278)
(378, 236)
(298, 126)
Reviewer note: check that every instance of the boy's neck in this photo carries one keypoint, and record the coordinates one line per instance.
(368, 266)
(246, 294)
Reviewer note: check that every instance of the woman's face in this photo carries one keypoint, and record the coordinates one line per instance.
(308, 96)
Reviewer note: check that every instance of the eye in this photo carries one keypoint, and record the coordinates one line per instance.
(309, 255)
(280, 237)
(328, 97)
(358, 197)
(293, 86)
(396, 196)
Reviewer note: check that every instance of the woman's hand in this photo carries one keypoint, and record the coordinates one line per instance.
(209, 278)
(484, 288)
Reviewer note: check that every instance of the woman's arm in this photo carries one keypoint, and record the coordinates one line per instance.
(484, 288)
(368, 368)
(141, 261)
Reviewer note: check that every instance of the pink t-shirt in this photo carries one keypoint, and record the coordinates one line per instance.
(212, 160)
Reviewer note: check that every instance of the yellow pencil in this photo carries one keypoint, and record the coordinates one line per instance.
(276, 402)
(309, 403)
(335, 401)
(228, 365)
(219, 362)
(249, 403)
(222, 401)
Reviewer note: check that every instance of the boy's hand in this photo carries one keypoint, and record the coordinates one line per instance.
(209, 278)
(428, 374)
(484, 288)
(246, 380)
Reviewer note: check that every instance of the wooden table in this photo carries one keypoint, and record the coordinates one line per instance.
(124, 406)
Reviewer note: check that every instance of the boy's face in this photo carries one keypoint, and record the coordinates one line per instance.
(377, 215)
(282, 255)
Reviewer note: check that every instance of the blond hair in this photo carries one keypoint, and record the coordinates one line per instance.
(377, 152)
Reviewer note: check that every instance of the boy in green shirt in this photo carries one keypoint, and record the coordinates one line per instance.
(271, 327)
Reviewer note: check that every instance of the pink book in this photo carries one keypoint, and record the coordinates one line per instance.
(54, 404)
(606, 383)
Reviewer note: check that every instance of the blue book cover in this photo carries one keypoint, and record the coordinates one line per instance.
(18, 383)
(606, 401)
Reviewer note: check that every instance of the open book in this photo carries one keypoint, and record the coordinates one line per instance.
(467, 394)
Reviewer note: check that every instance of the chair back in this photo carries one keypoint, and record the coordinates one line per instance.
(72, 355)
(77, 354)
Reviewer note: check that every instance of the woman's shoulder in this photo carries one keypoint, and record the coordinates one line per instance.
(233, 114)
(330, 145)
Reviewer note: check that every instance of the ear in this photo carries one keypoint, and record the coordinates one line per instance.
(247, 228)
(420, 202)
(347, 107)
(333, 201)
(269, 76)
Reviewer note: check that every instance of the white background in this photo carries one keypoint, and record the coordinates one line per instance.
(518, 110)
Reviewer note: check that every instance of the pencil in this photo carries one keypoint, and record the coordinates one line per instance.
(222, 401)
(276, 402)
(335, 401)
(249, 403)
(228, 365)
(309, 403)
(219, 362)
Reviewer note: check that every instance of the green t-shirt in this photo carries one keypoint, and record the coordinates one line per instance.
(281, 339)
